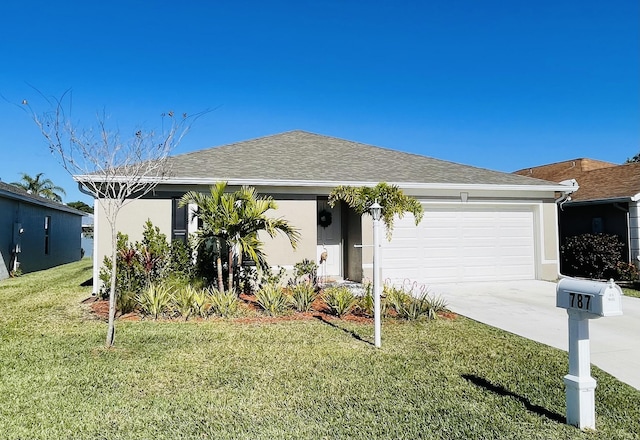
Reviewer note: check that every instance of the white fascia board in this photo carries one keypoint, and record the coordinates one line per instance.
(635, 198)
(331, 184)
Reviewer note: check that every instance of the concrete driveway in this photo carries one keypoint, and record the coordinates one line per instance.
(528, 308)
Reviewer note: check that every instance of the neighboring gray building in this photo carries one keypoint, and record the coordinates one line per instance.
(36, 233)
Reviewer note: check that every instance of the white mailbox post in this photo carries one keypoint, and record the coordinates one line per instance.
(584, 300)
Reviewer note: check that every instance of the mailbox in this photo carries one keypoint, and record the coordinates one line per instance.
(593, 297)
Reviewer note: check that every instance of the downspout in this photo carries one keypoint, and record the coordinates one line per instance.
(560, 201)
(634, 245)
(626, 212)
(96, 267)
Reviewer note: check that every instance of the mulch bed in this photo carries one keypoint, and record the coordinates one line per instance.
(100, 309)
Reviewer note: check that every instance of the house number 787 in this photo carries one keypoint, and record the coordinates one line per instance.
(580, 301)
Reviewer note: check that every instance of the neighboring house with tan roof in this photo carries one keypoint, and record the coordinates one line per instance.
(479, 224)
(36, 233)
(607, 200)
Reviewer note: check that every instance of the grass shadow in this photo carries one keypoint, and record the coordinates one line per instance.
(87, 283)
(537, 409)
(351, 333)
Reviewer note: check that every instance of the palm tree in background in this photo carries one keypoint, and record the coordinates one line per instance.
(40, 186)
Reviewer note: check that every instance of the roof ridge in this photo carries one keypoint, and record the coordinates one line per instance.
(580, 159)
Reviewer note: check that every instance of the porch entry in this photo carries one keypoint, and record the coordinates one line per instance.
(329, 246)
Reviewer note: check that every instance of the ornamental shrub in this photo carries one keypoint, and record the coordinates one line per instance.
(306, 270)
(223, 304)
(155, 300)
(340, 300)
(627, 271)
(151, 260)
(272, 299)
(302, 296)
(592, 255)
(412, 304)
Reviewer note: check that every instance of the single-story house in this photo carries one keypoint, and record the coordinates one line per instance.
(478, 225)
(606, 202)
(36, 233)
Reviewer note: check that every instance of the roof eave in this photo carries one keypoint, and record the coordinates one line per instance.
(603, 200)
(44, 202)
(331, 183)
(406, 185)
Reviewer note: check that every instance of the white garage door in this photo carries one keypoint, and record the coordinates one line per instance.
(461, 244)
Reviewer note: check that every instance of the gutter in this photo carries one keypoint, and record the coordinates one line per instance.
(330, 184)
(570, 186)
(82, 189)
(612, 200)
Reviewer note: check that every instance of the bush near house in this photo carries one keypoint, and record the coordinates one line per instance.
(592, 256)
(627, 272)
(141, 264)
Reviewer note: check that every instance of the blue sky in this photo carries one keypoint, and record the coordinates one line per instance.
(495, 84)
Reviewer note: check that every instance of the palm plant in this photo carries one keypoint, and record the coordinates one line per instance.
(209, 211)
(390, 197)
(235, 219)
(40, 187)
(248, 218)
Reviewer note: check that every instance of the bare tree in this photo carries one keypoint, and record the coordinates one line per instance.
(114, 169)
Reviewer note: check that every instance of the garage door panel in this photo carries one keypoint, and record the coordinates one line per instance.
(462, 244)
(405, 234)
(440, 233)
(439, 254)
(510, 254)
(435, 276)
(439, 263)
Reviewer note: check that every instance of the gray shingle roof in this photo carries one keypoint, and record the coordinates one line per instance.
(300, 155)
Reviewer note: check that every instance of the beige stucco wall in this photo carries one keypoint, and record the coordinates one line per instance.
(131, 219)
(302, 215)
(549, 254)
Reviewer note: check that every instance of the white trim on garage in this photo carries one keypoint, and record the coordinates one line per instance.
(464, 242)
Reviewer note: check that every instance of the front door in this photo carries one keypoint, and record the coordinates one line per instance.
(329, 250)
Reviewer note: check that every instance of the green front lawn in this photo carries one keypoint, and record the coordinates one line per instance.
(631, 292)
(225, 379)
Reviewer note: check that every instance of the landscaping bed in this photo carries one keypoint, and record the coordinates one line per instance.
(250, 312)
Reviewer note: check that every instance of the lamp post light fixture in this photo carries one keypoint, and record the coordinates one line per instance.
(376, 213)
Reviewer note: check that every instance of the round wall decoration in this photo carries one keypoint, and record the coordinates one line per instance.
(324, 218)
